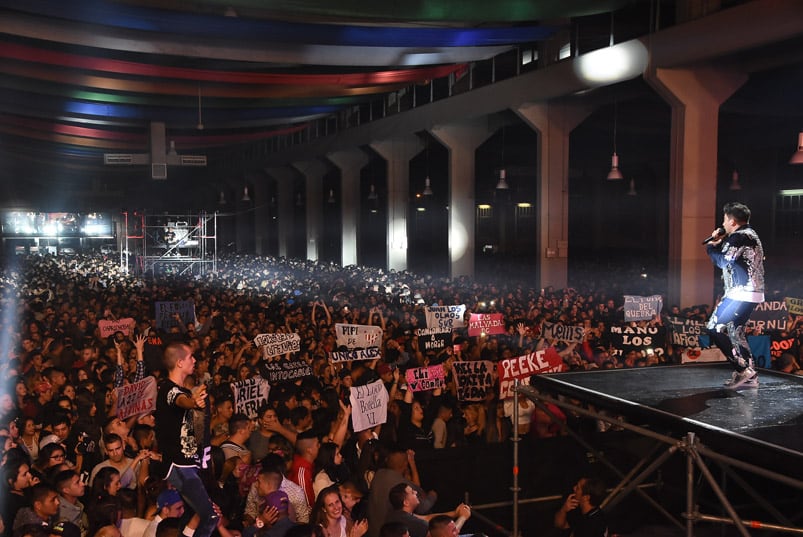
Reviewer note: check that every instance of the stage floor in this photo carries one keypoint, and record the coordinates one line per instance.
(764, 424)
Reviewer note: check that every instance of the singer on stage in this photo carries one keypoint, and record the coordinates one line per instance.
(736, 249)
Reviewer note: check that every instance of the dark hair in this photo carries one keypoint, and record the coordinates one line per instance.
(63, 478)
(40, 491)
(595, 489)
(238, 422)
(397, 495)
(394, 529)
(102, 480)
(318, 515)
(439, 521)
(11, 470)
(738, 211)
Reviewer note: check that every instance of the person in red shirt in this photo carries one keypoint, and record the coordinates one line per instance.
(303, 467)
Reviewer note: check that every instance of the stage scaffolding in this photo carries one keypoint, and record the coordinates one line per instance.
(169, 244)
(698, 457)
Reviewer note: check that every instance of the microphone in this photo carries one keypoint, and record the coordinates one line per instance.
(720, 232)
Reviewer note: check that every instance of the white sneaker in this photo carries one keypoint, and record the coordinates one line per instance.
(745, 379)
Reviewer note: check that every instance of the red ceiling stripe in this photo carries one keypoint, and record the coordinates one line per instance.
(177, 88)
(31, 54)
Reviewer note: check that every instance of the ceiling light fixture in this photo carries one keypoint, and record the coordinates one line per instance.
(797, 157)
(200, 125)
(427, 187)
(735, 185)
(331, 196)
(246, 197)
(502, 184)
(632, 191)
(615, 174)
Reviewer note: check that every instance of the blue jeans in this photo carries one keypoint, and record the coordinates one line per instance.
(188, 483)
(726, 330)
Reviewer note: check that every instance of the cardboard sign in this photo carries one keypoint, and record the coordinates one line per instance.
(770, 315)
(486, 323)
(137, 398)
(284, 370)
(445, 317)
(349, 356)
(369, 405)
(639, 338)
(523, 367)
(433, 339)
(561, 332)
(794, 305)
(165, 311)
(642, 308)
(277, 344)
(420, 379)
(250, 395)
(685, 332)
(358, 336)
(474, 379)
(109, 328)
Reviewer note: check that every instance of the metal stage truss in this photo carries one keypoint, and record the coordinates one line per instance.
(687, 411)
(169, 244)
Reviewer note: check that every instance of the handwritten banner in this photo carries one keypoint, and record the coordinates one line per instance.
(523, 367)
(486, 323)
(433, 339)
(639, 338)
(474, 379)
(369, 405)
(685, 332)
(770, 315)
(642, 308)
(358, 336)
(794, 305)
(137, 398)
(109, 328)
(561, 332)
(421, 379)
(277, 344)
(355, 355)
(780, 345)
(166, 310)
(444, 317)
(284, 370)
(250, 395)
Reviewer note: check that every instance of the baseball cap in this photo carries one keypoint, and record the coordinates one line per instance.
(277, 499)
(167, 498)
(66, 529)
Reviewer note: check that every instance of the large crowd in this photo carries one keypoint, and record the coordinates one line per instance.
(71, 466)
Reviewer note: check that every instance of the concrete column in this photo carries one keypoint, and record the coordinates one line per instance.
(554, 123)
(462, 140)
(258, 191)
(350, 163)
(313, 171)
(284, 184)
(695, 96)
(398, 152)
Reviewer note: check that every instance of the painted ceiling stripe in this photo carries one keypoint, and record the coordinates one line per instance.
(281, 54)
(264, 31)
(50, 57)
(186, 89)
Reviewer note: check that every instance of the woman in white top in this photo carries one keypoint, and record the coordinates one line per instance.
(329, 519)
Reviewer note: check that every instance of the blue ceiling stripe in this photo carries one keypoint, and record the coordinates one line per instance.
(153, 20)
(11, 101)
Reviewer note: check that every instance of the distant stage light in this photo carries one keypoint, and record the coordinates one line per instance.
(609, 65)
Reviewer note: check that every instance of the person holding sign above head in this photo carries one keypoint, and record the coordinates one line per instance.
(175, 435)
(736, 249)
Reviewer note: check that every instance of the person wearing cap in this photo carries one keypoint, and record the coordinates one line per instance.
(274, 513)
(67, 529)
(168, 505)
